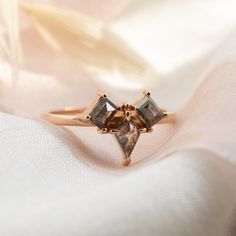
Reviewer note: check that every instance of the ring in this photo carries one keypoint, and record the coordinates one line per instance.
(125, 122)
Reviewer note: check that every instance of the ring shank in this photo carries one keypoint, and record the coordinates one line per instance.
(68, 117)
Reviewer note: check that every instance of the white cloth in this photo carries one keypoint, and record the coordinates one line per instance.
(67, 182)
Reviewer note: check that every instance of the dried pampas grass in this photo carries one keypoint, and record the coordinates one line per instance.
(3, 46)
(89, 41)
(10, 44)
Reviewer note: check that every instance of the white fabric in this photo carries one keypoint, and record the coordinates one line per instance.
(66, 182)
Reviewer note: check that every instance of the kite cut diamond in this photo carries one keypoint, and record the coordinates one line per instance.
(103, 112)
(127, 136)
(149, 111)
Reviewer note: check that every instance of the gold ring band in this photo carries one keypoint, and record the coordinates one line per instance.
(126, 122)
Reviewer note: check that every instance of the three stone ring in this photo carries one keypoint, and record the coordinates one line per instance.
(125, 122)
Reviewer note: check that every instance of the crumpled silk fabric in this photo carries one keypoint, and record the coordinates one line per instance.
(69, 181)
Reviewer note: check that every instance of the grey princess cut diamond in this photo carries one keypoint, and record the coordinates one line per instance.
(149, 111)
(103, 112)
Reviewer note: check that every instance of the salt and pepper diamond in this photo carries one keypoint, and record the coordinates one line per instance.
(127, 136)
(103, 112)
(149, 111)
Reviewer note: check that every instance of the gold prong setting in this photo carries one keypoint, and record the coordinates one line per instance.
(88, 117)
(127, 121)
(146, 93)
(126, 161)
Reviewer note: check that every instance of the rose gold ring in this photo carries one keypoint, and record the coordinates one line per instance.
(125, 122)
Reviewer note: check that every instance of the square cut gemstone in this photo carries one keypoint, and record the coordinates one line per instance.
(127, 136)
(149, 111)
(103, 112)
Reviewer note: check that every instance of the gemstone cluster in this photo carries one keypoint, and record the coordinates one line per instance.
(126, 122)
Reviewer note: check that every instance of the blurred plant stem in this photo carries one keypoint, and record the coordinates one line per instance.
(91, 43)
(10, 40)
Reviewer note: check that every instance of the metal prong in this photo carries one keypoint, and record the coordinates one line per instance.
(126, 161)
(102, 131)
(124, 106)
(145, 130)
(146, 92)
(88, 117)
(149, 130)
(165, 114)
(114, 131)
(101, 94)
(132, 107)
